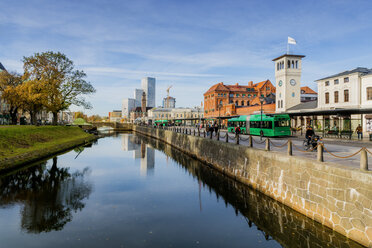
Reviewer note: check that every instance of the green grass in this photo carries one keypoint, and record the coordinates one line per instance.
(15, 140)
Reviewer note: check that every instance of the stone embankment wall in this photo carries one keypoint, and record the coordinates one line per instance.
(336, 196)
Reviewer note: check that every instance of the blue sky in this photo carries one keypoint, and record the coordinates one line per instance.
(190, 44)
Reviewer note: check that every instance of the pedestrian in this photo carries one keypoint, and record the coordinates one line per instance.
(359, 131)
(216, 128)
(207, 129)
(237, 130)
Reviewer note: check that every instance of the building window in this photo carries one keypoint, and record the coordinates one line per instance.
(336, 81)
(247, 103)
(327, 98)
(326, 83)
(221, 102)
(231, 95)
(346, 95)
(296, 64)
(289, 64)
(237, 95)
(236, 103)
(278, 104)
(249, 95)
(302, 92)
(242, 103)
(293, 94)
(336, 96)
(346, 80)
(277, 66)
(369, 93)
(268, 88)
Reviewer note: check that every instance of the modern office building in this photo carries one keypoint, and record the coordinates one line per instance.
(127, 106)
(169, 102)
(138, 96)
(148, 86)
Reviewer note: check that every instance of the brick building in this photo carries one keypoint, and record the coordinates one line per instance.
(230, 100)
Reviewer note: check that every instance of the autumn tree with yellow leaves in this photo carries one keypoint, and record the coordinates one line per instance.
(60, 84)
(9, 83)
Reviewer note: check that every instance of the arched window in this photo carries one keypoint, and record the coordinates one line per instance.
(247, 103)
(236, 103)
(296, 64)
(281, 103)
(242, 103)
(289, 64)
(278, 103)
(220, 102)
(277, 66)
(292, 63)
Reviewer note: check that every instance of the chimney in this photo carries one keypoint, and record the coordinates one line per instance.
(250, 83)
(143, 107)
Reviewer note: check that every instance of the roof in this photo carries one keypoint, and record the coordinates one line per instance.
(304, 105)
(2, 68)
(362, 70)
(289, 55)
(307, 90)
(217, 87)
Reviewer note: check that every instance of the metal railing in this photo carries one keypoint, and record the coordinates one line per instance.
(236, 138)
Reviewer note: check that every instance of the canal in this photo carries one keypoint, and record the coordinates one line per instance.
(128, 190)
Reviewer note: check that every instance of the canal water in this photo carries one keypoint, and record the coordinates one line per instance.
(131, 191)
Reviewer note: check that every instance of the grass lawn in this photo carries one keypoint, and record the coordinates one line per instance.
(15, 140)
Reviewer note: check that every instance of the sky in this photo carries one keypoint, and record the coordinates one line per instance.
(189, 44)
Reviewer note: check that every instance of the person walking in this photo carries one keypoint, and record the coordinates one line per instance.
(359, 131)
(216, 128)
(237, 130)
(207, 129)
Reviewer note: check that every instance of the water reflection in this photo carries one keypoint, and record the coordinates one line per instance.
(142, 151)
(273, 219)
(48, 195)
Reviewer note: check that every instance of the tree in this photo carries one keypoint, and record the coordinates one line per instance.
(62, 85)
(31, 97)
(9, 83)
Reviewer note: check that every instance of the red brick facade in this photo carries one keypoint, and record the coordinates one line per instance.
(237, 99)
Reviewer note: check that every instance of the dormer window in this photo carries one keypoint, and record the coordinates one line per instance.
(346, 80)
(326, 83)
(336, 81)
(302, 92)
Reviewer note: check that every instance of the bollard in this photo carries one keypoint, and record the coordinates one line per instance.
(267, 147)
(250, 141)
(290, 147)
(320, 153)
(363, 160)
(218, 135)
(227, 137)
(237, 139)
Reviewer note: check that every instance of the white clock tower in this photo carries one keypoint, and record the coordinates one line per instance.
(288, 81)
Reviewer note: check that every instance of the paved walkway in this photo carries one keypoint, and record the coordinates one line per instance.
(338, 147)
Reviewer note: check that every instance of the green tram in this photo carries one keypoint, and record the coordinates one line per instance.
(161, 123)
(272, 125)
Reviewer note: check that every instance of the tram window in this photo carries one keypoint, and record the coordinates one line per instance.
(282, 123)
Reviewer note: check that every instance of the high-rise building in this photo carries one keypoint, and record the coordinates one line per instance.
(169, 102)
(148, 86)
(127, 106)
(138, 96)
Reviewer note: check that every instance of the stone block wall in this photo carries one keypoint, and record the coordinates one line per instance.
(336, 196)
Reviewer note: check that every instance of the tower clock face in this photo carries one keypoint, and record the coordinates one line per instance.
(292, 82)
(280, 83)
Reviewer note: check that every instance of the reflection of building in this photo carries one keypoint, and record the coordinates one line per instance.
(147, 160)
(169, 102)
(148, 86)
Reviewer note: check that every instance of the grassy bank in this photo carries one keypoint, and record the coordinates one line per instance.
(21, 144)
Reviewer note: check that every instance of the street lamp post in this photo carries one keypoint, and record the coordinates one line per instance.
(261, 101)
(219, 115)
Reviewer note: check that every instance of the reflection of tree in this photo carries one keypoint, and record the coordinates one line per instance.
(49, 195)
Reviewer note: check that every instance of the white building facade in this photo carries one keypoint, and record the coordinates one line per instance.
(127, 106)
